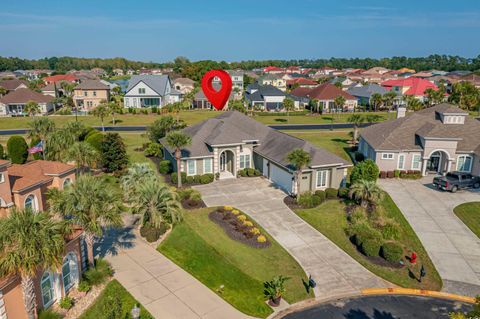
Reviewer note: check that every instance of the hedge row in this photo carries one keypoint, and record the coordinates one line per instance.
(249, 172)
(410, 174)
(311, 200)
(197, 179)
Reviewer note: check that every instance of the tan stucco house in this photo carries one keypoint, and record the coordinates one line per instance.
(90, 93)
(232, 141)
(435, 140)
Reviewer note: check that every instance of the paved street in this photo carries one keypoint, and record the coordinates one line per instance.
(336, 272)
(163, 288)
(453, 248)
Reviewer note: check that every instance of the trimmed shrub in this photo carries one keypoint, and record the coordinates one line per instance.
(309, 200)
(196, 179)
(206, 178)
(185, 193)
(164, 167)
(189, 180)
(196, 196)
(390, 174)
(49, 314)
(391, 230)
(242, 173)
(17, 149)
(66, 302)
(152, 234)
(343, 192)
(321, 195)
(359, 157)
(391, 252)
(365, 170)
(371, 247)
(95, 139)
(174, 180)
(396, 173)
(153, 149)
(84, 286)
(331, 193)
(91, 132)
(383, 174)
(258, 173)
(250, 172)
(154, 109)
(362, 231)
(113, 153)
(98, 274)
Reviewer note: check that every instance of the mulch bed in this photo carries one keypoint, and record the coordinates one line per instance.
(291, 202)
(235, 229)
(193, 204)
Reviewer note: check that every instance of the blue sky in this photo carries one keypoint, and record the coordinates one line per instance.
(239, 30)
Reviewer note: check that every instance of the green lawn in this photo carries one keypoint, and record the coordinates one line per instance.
(114, 295)
(330, 219)
(333, 141)
(203, 249)
(469, 213)
(315, 119)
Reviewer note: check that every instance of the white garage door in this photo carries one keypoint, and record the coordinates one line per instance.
(282, 178)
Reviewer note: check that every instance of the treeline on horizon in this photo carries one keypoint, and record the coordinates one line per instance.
(183, 65)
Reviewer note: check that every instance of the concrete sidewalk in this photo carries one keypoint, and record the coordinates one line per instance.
(162, 287)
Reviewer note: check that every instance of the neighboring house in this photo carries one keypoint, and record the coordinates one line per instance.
(14, 102)
(301, 82)
(184, 85)
(118, 72)
(406, 70)
(364, 93)
(12, 85)
(25, 186)
(437, 140)
(410, 86)
(326, 94)
(273, 79)
(472, 78)
(269, 98)
(55, 89)
(90, 93)
(343, 81)
(237, 82)
(322, 72)
(376, 70)
(232, 141)
(150, 91)
(61, 77)
(200, 101)
(273, 70)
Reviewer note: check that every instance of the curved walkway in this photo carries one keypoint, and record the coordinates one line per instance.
(452, 246)
(336, 273)
(162, 287)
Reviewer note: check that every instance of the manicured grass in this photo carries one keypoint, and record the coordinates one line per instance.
(330, 219)
(333, 141)
(315, 119)
(114, 293)
(469, 213)
(203, 249)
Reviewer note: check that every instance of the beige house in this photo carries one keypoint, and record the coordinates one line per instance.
(90, 93)
(436, 140)
(184, 85)
(231, 141)
(275, 80)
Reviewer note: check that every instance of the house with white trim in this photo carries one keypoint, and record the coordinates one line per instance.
(146, 91)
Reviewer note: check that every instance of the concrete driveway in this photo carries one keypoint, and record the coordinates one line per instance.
(336, 273)
(453, 248)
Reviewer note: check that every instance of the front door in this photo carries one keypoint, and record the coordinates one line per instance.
(223, 162)
(433, 163)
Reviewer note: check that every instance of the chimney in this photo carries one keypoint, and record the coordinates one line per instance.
(401, 111)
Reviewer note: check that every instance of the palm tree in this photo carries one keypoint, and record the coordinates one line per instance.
(68, 87)
(289, 105)
(412, 103)
(299, 159)
(84, 155)
(177, 140)
(32, 108)
(156, 203)
(3, 91)
(377, 100)
(91, 203)
(356, 120)
(41, 128)
(367, 192)
(388, 99)
(339, 102)
(101, 111)
(30, 241)
(136, 175)
(113, 108)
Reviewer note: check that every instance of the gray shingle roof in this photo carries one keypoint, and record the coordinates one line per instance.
(403, 133)
(367, 91)
(92, 85)
(233, 127)
(262, 90)
(158, 83)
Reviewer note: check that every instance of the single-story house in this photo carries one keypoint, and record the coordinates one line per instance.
(270, 98)
(200, 101)
(364, 93)
(14, 102)
(90, 93)
(150, 91)
(437, 140)
(232, 141)
(325, 94)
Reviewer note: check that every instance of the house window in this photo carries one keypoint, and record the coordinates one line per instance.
(244, 161)
(207, 166)
(67, 182)
(416, 160)
(191, 167)
(387, 156)
(322, 179)
(69, 271)
(85, 93)
(134, 102)
(2, 178)
(126, 101)
(401, 161)
(464, 163)
(141, 90)
(48, 294)
(94, 93)
(31, 203)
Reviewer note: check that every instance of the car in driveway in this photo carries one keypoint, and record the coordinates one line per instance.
(456, 180)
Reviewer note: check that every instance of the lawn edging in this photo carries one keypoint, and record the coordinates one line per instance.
(467, 212)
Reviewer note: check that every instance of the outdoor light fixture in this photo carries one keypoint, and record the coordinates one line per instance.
(135, 312)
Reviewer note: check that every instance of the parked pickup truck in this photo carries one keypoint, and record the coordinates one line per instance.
(456, 180)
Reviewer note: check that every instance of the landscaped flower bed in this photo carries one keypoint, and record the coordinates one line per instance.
(238, 227)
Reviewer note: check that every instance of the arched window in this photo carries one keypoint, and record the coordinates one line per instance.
(67, 182)
(69, 271)
(48, 291)
(31, 202)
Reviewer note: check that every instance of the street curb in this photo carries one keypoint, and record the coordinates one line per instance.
(416, 292)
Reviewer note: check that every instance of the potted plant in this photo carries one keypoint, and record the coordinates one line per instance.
(275, 289)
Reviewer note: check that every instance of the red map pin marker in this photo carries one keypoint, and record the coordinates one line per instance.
(217, 98)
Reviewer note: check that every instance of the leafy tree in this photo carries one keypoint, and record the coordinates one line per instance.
(289, 105)
(298, 158)
(2, 152)
(113, 153)
(24, 255)
(3, 91)
(339, 102)
(237, 105)
(356, 120)
(32, 108)
(366, 192)
(366, 170)
(41, 128)
(159, 128)
(435, 96)
(91, 203)
(96, 141)
(17, 149)
(377, 100)
(84, 155)
(178, 140)
(101, 111)
(412, 103)
(465, 95)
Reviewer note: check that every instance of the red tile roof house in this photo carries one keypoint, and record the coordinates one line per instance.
(301, 82)
(61, 77)
(326, 94)
(410, 86)
(24, 186)
(13, 104)
(273, 69)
